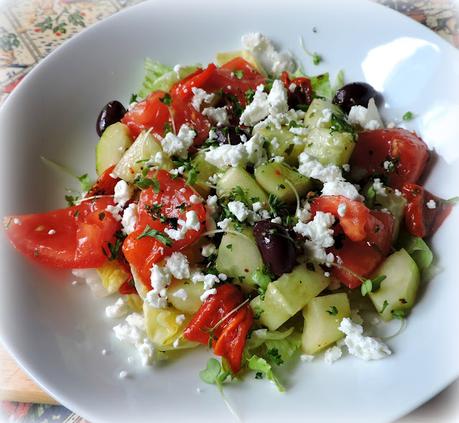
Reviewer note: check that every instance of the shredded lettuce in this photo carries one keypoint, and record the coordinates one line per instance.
(161, 77)
(339, 82)
(321, 86)
(262, 367)
(417, 249)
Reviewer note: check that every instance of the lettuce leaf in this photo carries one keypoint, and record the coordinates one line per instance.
(261, 366)
(161, 77)
(417, 249)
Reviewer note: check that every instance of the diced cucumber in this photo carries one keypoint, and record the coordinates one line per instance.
(112, 276)
(204, 170)
(395, 204)
(112, 144)
(322, 317)
(238, 177)
(288, 295)
(189, 303)
(134, 302)
(282, 142)
(329, 148)
(314, 117)
(398, 290)
(239, 257)
(273, 176)
(144, 148)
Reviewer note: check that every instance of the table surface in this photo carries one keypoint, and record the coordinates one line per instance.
(29, 31)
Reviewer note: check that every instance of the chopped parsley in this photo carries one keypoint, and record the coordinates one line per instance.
(316, 58)
(385, 304)
(85, 182)
(408, 116)
(167, 100)
(238, 74)
(332, 311)
(398, 314)
(71, 199)
(274, 356)
(161, 237)
(371, 285)
(115, 248)
(144, 182)
(249, 94)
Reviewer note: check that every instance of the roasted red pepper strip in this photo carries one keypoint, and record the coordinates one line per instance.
(420, 220)
(228, 338)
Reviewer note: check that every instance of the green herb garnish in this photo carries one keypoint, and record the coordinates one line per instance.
(332, 311)
(408, 116)
(371, 285)
(161, 237)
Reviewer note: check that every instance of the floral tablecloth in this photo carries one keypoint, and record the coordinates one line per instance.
(31, 29)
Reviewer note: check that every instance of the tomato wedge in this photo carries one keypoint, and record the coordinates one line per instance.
(228, 335)
(421, 220)
(356, 215)
(105, 184)
(74, 237)
(404, 153)
(150, 113)
(360, 258)
(159, 209)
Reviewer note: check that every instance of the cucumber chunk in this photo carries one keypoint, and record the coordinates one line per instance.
(112, 145)
(239, 257)
(272, 178)
(314, 117)
(288, 295)
(322, 317)
(398, 290)
(144, 148)
(203, 170)
(329, 148)
(189, 303)
(236, 176)
(282, 142)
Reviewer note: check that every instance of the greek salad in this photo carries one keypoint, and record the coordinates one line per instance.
(249, 208)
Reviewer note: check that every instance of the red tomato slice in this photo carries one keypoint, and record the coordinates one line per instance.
(185, 113)
(161, 210)
(407, 152)
(354, 222)
(105, 184)
(74, 237)
(150, 113)
(363, 257)
(421, 220)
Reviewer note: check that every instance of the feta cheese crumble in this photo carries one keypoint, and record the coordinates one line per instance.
(312, 168)
(218, 115)
(129, 219)
(265, 53)
(178, 145)
(367, 118)
(343, 188)
(361, 346)
(177, 264)
(239, 209)
(379, 187)
(257, 110)
(227, 155)
(431, 204)
(123, 193)
(333, 354)
(208, 250)
(117, 310)
(200, 96)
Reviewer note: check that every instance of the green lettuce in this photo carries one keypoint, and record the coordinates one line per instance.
(264, 369)
(161, 77)
(417, 249)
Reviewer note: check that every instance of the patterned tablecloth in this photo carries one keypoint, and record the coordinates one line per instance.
(31, 29)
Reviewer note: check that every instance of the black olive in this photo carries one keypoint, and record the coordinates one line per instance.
(355, 94)
(276, 247)
(301, 96)
(111, 113)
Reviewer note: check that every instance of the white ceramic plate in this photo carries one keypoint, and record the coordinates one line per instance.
(57, 331)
